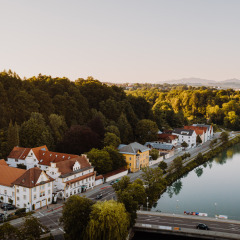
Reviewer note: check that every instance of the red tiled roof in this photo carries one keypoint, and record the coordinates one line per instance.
(80, 178)
(166, 136)
(3, 162)
(21, 153)
(9, 174)
(46, 157)
(66, 166)
(30, 177)
(99, 177)
(198, 130)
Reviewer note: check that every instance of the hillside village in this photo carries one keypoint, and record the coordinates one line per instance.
(32, 178)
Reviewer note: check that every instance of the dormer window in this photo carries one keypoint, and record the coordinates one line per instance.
(43, 154)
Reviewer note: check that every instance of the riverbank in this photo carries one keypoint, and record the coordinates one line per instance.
(195, 162)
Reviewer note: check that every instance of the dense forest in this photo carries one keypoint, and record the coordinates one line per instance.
(75, 117)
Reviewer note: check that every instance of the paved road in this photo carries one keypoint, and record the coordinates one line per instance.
(185, 221)
(51, 218)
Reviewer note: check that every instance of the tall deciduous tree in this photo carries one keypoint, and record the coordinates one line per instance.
(125, 129)
(7, 231)
(108, 220)
(75, 216)
(111, 139)
(35, 132)
(32, 228)
(146, 131)
(101, 160)
(12, 136)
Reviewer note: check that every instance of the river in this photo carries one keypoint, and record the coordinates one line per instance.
(212, 188)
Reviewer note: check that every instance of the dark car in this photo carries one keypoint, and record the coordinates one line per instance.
(99, 196)
(202, 226)
(7, 206)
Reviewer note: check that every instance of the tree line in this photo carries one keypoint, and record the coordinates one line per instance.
(72, 116)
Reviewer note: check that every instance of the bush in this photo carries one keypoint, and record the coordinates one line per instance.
(20, 211)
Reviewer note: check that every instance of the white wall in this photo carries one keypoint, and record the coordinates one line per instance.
(121, 174)
(153, 162)
(7, 193)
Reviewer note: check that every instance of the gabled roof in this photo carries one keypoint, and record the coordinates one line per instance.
(9, 174)
(3, 162)
(202, 125)
(21, 153)
(160, 146)
(66, 166)
(46, 157)
(30, 177)
(133, 148)
(182, 131)
(197, 129)
(166, 136)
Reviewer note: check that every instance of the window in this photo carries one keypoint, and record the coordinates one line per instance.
(130, 164)
(17, 190)
(24, 197)
(49, 184)
(24, 189)
(34, 189)
(5, 191)
(49, 200)
(25, 205)
(130, 158)
(16, 160)
(49, 191)
(34, 196)
(18, 198)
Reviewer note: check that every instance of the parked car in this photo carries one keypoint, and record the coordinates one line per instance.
(99, 196)
(202, 226)
(114, 181)
(8, 206)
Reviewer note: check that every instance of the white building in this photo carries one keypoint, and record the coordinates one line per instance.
(34, 189)
(72, 176)
(186, 135)
(30, 189)
(36, 157)
(209, 132)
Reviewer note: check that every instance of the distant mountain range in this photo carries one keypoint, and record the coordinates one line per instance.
(230, 83)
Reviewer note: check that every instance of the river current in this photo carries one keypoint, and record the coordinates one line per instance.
(212, 188)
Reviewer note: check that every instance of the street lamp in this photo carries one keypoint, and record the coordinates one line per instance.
(215, 204)
(177, 206)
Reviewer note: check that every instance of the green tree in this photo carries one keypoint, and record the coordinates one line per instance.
(178, 164)
(35, 132)
(108, 220)
(12, 136)
(117, 158)
(224, 137)
(154, 153)
(154, 183)
(146, 131)
(113, 129)
(58, 127)
(125, 129)
(184, 144)
(111, 139)
(101, 160)
(32, 228)
(163, 166)
(75, 216)
(199, 158)
(7, 231)
(198, 139)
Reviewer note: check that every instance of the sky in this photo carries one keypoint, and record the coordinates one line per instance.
(121, 41)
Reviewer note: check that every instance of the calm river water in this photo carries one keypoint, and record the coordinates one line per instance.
(213, 188)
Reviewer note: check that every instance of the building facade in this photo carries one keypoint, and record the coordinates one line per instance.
(136, 156)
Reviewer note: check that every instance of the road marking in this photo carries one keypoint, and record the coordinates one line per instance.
(41, 213)
(61, 230)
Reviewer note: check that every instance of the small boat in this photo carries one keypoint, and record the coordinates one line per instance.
(196, 213)
(221, 216)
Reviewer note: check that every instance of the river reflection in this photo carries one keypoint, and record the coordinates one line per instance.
(216, 181)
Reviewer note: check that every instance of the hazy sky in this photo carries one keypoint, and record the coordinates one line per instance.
(121, 41)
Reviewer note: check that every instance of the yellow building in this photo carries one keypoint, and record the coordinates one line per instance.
(136, 155)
